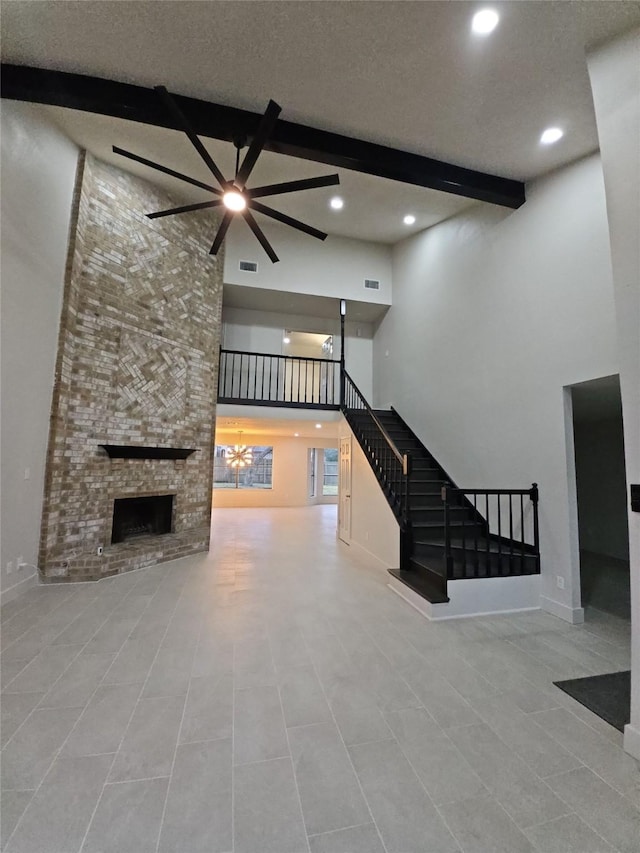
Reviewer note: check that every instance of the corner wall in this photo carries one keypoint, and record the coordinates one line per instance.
(38, 175)
(336, 267)
(615, 80)
(494, 314)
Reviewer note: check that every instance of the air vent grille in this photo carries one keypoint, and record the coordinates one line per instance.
(248, 266)
(371, 284)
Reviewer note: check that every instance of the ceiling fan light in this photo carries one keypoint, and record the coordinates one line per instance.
(484, 22)
(234, 200)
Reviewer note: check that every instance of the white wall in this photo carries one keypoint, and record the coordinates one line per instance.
(290, 472)
(615, 80)
(38, 175)
(375, 534)
(494, 312)
(335, 267)
(262, 331)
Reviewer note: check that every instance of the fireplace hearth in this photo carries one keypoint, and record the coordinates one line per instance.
(143, 516)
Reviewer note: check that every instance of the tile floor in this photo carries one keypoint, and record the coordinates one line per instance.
(276, 697)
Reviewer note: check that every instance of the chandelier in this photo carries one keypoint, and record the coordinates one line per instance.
(240, 457)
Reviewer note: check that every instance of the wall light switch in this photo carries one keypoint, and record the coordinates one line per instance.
(560, 582)
(27, 473)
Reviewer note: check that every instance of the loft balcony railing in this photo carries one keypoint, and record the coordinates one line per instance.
(265, 379)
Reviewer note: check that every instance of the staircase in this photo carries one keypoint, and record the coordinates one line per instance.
(446, 533)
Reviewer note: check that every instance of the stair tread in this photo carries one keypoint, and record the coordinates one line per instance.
(419, 584)
(425, 574)
(440, 509)
(468, 525)
(482, 546)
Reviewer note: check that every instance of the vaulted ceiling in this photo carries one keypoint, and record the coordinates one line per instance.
(409, 75)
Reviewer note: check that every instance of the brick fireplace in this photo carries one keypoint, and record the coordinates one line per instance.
(137, 368)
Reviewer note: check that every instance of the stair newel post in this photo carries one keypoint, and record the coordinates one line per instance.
(406, 474)
(406, 543)
(343, 311)
(448, 556)
(536, 530)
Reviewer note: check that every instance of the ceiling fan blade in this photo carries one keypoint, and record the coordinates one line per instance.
(182, 120)
(166, 170)
(257, 143)
(287, 220)
(294, 186)
(266, 245)
(187, 208)
(222, 232)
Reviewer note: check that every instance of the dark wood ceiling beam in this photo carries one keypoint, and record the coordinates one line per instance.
(137, 103)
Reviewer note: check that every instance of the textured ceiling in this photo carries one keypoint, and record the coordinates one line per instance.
(405, 74)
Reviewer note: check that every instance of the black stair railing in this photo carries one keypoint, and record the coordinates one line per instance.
(391, 467)
(265, 379)
(500, 539)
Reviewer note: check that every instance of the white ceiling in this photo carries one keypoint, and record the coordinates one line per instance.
(405, 74)
(374, 207)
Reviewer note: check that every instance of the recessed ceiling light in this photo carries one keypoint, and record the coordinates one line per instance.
(484, 22)
(551, 135)
(409, 219)
(286, 340)
(296, 435)
(336, 203)
(318, 426)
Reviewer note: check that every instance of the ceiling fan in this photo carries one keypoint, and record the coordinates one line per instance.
(234, 195)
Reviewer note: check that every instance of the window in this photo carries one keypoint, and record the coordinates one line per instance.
(243, 466)
(330, 480)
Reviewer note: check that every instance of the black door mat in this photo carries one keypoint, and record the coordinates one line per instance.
(608, 696)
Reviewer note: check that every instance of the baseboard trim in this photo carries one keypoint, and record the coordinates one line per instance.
(361, 553)
(438, 612)
(412, 598)
(573, 615)
(632, 740)
(18, 588)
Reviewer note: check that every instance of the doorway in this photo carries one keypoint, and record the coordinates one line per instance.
(601, 496)
(308, 377)
(344, 499)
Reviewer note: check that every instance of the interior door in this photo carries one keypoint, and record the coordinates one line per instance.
(344, 490)
(312, 472)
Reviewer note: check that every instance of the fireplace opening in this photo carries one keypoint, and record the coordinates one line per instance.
(148, 516)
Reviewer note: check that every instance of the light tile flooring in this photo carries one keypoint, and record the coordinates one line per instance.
(276, 697)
